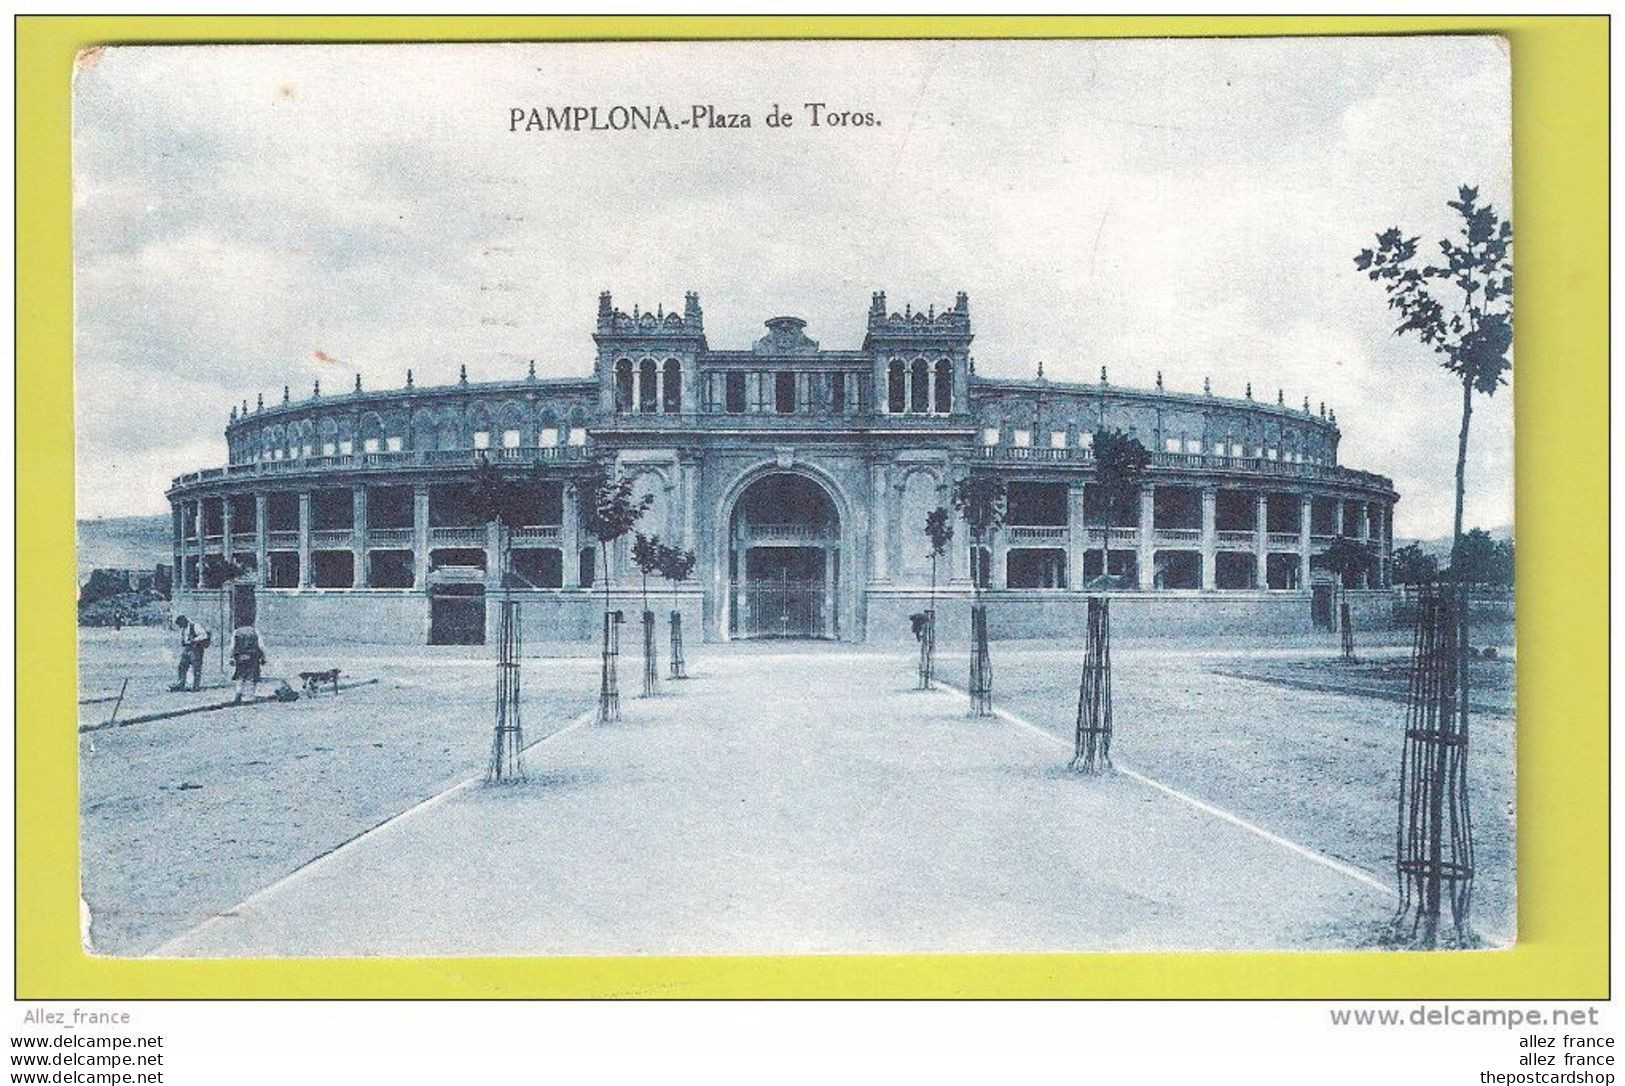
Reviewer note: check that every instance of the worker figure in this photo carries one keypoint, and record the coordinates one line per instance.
(247, 656)
(194, 639)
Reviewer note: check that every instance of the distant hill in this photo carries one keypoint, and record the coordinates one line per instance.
(123, 543)
(1440, 547)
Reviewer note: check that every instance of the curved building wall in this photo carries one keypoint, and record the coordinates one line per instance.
(350, 514)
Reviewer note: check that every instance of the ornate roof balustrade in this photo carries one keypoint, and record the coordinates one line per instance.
(384, 461)
(1175, 462)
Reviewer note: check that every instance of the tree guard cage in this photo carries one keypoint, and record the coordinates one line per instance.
(1346, 625)
(508, 740)
(651, 664)
(1434, 853)
(609, 694)
(926, 634)
(678, 665)
(981, 665)
(1092, 751)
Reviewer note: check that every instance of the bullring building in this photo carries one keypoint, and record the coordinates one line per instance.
(801, 477)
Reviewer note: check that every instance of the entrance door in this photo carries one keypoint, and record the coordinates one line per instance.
(457, 615)
(784, 593)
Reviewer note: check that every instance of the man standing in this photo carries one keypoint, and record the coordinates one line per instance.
(194, 639)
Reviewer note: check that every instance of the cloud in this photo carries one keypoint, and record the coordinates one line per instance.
(1184, 206)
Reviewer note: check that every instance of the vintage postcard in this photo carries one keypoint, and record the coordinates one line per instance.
(781, 497)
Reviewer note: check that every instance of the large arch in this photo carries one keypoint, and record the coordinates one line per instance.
(843, 577)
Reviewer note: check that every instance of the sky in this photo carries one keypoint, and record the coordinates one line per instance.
(252, 216)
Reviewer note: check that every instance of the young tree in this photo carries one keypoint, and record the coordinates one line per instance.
(675, 565)
(496, 501)
(939, 532)
(980, 500)
(1461, 306)
(647, 552)
(982, 504)
(606, 510)
(1120, 463)
(1413, 565)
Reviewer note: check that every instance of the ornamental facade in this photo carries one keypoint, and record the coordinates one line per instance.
(801, 477)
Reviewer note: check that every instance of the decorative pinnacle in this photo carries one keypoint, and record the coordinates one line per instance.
(1249, 390)
(1040, 369)
(1159, 380)
(972, 362)
(462, 374)
(531, 374)
(358, 382)
(1306, 405)
(316, 392)
(285, 396)
(1207, 386)
(259, 403)
(1103, 375)
(1322, 408)
(408, 377)
(233, 412)
(1280, 397)
(245, 407)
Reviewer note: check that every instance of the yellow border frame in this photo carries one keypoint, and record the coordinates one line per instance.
(1560, 139)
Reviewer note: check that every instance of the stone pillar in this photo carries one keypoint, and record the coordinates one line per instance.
(1306, 512)
(880, 524)
(197, 534)
(1362, 528)
(493, 557)
(1000, 546)
(305, 579)
(570, 541)
(688, 472)
(1077, 535)
(262, 549)
(420, 537)
(358, 535)
(1261, 540)
(1210, 508)
(225, 528)
(1148, 532)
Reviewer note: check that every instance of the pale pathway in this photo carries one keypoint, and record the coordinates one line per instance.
(803, 801)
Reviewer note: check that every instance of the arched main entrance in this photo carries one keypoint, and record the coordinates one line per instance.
(784, 560)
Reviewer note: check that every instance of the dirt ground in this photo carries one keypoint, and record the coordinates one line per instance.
(183, 817)
(186, 818)
(1318, 765)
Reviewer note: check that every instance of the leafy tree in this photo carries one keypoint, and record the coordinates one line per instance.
(606, 510)
(1346, 557)
(1460, 306)
(646, 553)
(939, 532)
(496, 501)
(1480, 559)
(1413, 565)
(675, 565)
(1120, 463)
(980, 500)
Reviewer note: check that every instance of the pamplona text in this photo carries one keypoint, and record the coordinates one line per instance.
(697, 117)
